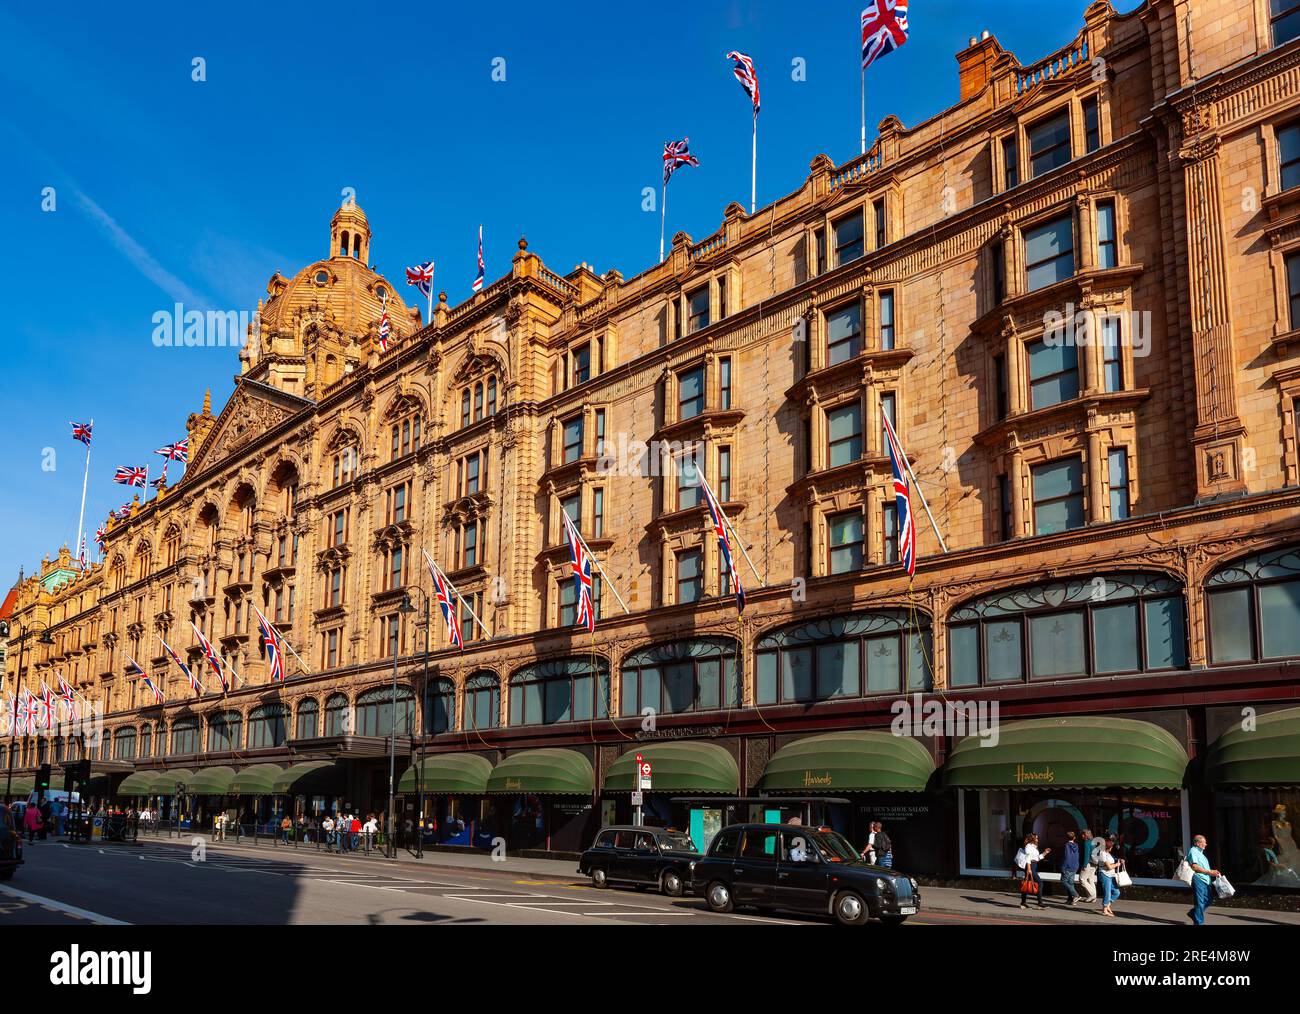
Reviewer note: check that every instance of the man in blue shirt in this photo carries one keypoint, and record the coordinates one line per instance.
(1202, 874)
(1069, 867)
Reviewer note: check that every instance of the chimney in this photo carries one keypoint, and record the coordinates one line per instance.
(975, 64)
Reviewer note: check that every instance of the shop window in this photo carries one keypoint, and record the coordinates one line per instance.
(308, 719)
(1285, 18)
(845, 543)
(861, 654)
(1058, 496)
(185, 736)
(375, 711)
(1049, 253)
(560, 690)
(124, 744)
(439, 707)
(1253, 607)
(1049, 144)
(844, 435)
(483, 701)
(848, 239)
(268, 726)
(225, 732)
(691, 675)
(1053, 372)
(1121, 623)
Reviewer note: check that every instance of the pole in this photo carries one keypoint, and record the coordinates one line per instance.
(85, 481)
(433, 268)
(921, 493)
(699, 474)
(753, 170)
(18, 675)
(663, 219)
(596, 562)
(419, 750)
(468, 608)
(392, 747)
(864, 110)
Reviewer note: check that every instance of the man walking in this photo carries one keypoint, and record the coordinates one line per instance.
(1087, 867)
(1069, 867)
(1202, 874)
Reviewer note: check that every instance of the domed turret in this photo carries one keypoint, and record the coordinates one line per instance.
(350, 233)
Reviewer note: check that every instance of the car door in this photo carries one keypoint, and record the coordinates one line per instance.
(643, 864)
(754, 876)
(802, 879)
(624, 866)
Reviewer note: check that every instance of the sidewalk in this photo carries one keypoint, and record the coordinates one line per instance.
(975, 904)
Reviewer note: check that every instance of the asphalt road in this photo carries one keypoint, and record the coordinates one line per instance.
(152, 884)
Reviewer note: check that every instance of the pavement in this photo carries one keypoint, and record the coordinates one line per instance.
(959, 903)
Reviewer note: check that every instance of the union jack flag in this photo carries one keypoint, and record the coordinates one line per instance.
(902, 499)
(195, 685)
(81, 431)
(179, 451)
(884, 29)
(123, 512)
(586, 611)
(385, 329)
(677, 154)
(446, 596)
(48, 705)
(81, 553)
(744, 71)
(274, 645)
(69, 698)
(160, 482)
(421, 276)
(478, 282)
(724, 543)
(214, 660)
(10, 714)
(129, 475)
(24, 714)
(153, 687)
(99, 536)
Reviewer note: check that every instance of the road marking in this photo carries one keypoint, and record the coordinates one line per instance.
(647, 911)
(58, 906)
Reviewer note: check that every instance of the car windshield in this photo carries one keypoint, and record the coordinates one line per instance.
(676, 843)
(834, 849)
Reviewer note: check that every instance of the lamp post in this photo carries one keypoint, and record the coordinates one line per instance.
(417, 749)
(45, 638)
(404, 608)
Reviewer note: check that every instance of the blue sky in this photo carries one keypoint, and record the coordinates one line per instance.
(168, 188)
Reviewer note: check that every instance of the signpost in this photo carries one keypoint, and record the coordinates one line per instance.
(640, 784)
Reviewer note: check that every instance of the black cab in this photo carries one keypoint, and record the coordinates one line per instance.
(801, 869)
(641, 856)
(11, 843)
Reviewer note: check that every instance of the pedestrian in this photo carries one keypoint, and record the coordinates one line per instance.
(1202, 875)
(1069, 867)
(286, 828)
(869, 852)
(47, 818)
(1087, 868)
(1028, 859)
(884, 847)
(31, 822)
(356, 832)
(327, 831)
(1108, 868)
(371, 829)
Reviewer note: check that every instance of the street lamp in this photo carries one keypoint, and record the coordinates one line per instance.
(404, 608)
(45, 638)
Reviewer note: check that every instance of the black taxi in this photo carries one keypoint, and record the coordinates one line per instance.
(11, 843)
(801, 869)
(641, 856)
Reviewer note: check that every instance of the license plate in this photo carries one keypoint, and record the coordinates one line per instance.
(908, 910)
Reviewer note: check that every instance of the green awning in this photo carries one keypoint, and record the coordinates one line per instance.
(858, 761)
(213, 781)
(1077, 753)
(19, 785)
(164, 782)
(546, 771)
(1269, 756)
(310, 778)
(257, 780)
(678, 767)
(455, 774)
(138, 783)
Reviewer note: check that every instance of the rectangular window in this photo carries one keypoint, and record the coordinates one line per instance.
(1117, 461)
(471, 475)
(878, 209)
(722, 296)
(843, 334)
(572, 506)
(689, 493)
(724, 383)
(998, 272)
(597, 513)
(889, 532)
(843, 435)
(1288, 145)
(340, 528)
(600, 432)
(581, 359)
(724, 475)
(846, 543)
(1049, 144)
(1049, 253)
(1285, 15)
(1010, 163)
(1053, 373)
(690, 575)
(819, 239)
(399, 504)
(887, 320)
(1293, 287)
(469, 545)
(1091, 125)
(1001, 402)
(1004, 507)
(888, 410)
(1112, 357)
(464, 408)
(848, 239)
(395, 574)
(1107, 248)
(690, 393)
(1058, 496)
(1230, 625)
(1057, 645)
(697, 310)
(573, 439)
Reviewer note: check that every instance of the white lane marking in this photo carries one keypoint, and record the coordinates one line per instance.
(503, 904)
(645, 912)
(36, 899)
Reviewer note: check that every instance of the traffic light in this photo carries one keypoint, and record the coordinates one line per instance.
(75, 775)
(43, 780)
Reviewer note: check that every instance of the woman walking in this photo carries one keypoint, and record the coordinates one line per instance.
(1028, 859)
(1108, 868)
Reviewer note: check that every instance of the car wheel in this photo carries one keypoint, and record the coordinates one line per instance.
(719, 897)
(893, 920)
(671, 884)
(850, 909)
(598, 878)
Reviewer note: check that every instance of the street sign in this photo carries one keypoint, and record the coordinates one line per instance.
(643, 768)
(638, 799)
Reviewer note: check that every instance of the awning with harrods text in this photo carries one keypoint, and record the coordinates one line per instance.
(255, 780)
(464, 774)
(1086, 752)
(1265, 755)
(213, 781)
(677, 767)
(163, 783)
(856, 761)
(548, 771)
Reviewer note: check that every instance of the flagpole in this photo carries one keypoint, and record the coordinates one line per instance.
(85, 481)
(864, 110)
(432, 269)
(731, 528)
(459, 598)
(596, 561)
(753, 172)
(921, 493)
(663, 220)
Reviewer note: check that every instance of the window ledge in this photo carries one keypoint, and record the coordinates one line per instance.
(1060, 413)
(1281, 206)
(851, 369)
(1282, 342)
(709, 419)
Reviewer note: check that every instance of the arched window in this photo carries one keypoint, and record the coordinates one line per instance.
(854, 655)
(439, 707)
(308, 719)
(171, 546)
(482, 701)
(185, 735)
(225, 732)
(1253, 608)
(146, 741)
(559, 690)
(338, 716)
(375, 712)
(124, 744)
(693, 675)
(1119, 623)
(268, 726)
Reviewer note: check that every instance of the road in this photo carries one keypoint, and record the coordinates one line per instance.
(156, 883)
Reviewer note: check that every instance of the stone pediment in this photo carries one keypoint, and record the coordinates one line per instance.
(253, 410)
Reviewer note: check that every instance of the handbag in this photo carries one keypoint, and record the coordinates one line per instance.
(1223, 888)
(1030, 884)
(1184, 873)
(1122, 879)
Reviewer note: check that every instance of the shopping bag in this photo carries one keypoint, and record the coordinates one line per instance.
(1029, 885)
(1222, 888)
(1122, 879)
(1184, 873)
